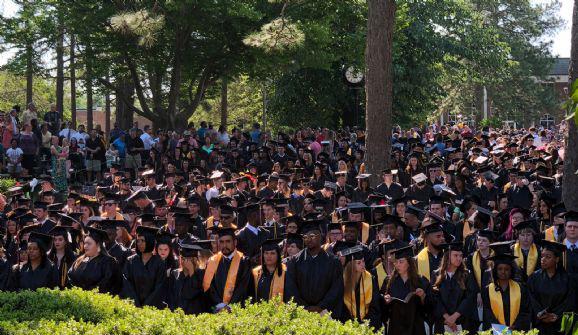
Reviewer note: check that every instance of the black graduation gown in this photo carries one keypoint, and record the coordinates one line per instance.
(522, 322)
(240, 293)
(315, 281)
(249, 243)
(120, 253)
(373, 315)
(47, 226)
(100, 272)
(571, 261)
(65, 264)
(555, 294)
(486, 274)
(143, 283)
(197, 228)
(186, 292)
(264, 287)
(4, 273)
(394, 191)
(451, 298)
(24, 278)
(407, 318)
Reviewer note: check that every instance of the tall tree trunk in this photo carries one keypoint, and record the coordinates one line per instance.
(88, 84)
(570, 179)
(124, 114)
(379, 84)
(60, 64)
(29, 72)
(224, 102)
(73, 79)
(107, 111)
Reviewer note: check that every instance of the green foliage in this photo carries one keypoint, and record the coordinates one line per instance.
(48, 312)
(13, 91)
(494, 122)
(571, 105)
(5, 184)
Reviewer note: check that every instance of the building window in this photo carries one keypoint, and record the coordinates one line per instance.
(547, 121)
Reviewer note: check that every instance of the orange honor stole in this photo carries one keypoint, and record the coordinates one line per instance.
(277, 284)
(212, 266)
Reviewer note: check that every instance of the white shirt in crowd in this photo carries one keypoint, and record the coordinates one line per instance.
(80, 138)
(67, 133)
(14, 154)
(148, 141)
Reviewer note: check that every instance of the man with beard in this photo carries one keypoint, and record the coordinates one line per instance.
(429, 258)
(228, 263)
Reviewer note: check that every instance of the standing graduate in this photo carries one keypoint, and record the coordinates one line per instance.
(455, 293)
(429, 258)
(477, 263)
(250, 237)
(62, 253)
(361, 298)
(551, 290)
(144, 274)
(185, 284)
(113, 248)
(384, 265)
(314, 277)
(227, 275)
(95, 269)
(38, 271)
(407, 296)
(571, 242)
(164, 248)
(506, 302)
(269, 278)
(526, 251)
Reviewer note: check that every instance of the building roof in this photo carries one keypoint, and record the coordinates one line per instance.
(560, 67)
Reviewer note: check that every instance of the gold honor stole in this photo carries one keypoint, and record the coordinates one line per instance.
(423, 264)
(277, 284)
(381, 275)
(532, 258)
(477, 267)
(466, 231)
(549, 234)
(364, 232)
(497, 304)
(365, 295)
(212, 266)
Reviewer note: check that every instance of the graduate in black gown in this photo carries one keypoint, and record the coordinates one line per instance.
(551, 290)
(113, 248)
(455, 293)
(62, 253)
(4, 266)
(227, 275)
(95, 268)
(250, 237)
(315, 278)
(144, 274)
(269, 278)
(407, 296)
(185, 284)
(38, 271)
(164, 248)
(505, 301)
(361, 298)
(525, 249)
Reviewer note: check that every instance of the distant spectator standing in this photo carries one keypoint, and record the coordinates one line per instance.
(15, 156)
(29, 114)
(29, 145)
(202, 130)
(120, 145)
(52, 117)
(256, 133)
(67, 132)
(115, 132)
(148, 141)
(80, 136)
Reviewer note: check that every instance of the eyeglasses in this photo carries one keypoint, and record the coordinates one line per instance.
(310, 236)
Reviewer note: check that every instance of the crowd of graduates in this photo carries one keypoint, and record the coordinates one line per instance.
(465, 230)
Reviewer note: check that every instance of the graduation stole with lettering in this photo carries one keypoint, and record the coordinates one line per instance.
(365, 294)
(277, 284)
(497, 303)
(423, 263)
(476, 265)
(364, 232)
(532, 258)
(212, 266)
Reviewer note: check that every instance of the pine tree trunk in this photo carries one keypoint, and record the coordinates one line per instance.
(107, 110)
(379, 85)
(73, 80)
(224, 102)
(88, 83)
(570, 179)
(124, 114)
(29, 73)
(60, 67)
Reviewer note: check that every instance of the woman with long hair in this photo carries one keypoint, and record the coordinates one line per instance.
(269, 277)
(505, 301)
(414, 167)
(11, 238)
(59, 169)
(37, 271)
(95, 268)
(361, 298)
(550, 289)
(164, 248)
(455, 293)
(318, 179)
(363, 189)
(516, 216)
(62, 253)
(407, 296)
(185, 284)
(144, 274)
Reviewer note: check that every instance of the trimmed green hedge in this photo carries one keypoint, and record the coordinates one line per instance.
(54, 312)
(51, 312)
(6, 183)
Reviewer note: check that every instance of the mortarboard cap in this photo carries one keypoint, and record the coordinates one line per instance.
(404, 252)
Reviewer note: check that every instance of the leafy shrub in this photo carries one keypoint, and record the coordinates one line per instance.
(6, 183)
(72, 312)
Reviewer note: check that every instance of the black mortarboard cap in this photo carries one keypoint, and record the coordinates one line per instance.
(555, 247)
(490, 235)
(571, 216)
(405, 252)
(502, 247)
(454, 246)
(145, 230)
(432, 228)
(311, 225)
(226, 231)
(271, 244)
(528, 224)
(44, 241)
(164, 237)
(99, 235)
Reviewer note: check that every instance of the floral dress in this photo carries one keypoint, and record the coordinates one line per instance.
(59, 173)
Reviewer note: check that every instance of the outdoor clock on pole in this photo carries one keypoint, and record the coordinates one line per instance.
(353, 76)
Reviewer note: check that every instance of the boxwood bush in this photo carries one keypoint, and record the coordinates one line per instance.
(54, 312)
